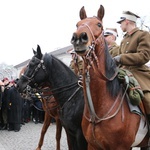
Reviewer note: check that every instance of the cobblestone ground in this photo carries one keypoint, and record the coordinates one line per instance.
(27, 138)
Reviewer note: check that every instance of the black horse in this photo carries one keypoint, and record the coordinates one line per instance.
(65, 88)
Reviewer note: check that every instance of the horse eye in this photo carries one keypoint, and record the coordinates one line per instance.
(99, 25)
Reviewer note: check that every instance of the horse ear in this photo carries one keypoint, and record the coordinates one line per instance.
(82, 13)
(38, 49)
(39, 53)
(101, 12)
(34, 52)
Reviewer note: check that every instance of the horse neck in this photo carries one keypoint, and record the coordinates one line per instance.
(98, 84)
(59, 77)
(104, 62)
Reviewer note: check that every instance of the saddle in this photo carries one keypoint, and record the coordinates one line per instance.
(135, 92)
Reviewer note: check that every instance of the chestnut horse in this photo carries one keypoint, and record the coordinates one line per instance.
(50, 107)
(65, 88)
(108, 123)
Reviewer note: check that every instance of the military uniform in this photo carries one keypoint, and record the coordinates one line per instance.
(135, 52)
(77, 65)
(114, 49)
(111, 35)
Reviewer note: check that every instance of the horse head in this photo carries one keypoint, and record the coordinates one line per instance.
(33, 73)
(89, 29)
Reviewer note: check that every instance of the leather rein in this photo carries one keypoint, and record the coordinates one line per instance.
(94, 119)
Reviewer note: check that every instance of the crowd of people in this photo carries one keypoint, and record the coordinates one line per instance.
(16, 109)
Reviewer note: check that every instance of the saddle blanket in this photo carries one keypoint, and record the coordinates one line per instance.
(143, 127)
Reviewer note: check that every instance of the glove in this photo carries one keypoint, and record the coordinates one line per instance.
(117, 59)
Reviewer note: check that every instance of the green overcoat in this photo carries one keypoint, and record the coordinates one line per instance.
(135, 52)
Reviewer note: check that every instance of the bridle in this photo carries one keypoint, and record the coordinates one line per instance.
(38, 67)
(89, 59)
(53, 91)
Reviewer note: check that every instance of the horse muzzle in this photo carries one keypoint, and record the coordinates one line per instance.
(80, 43)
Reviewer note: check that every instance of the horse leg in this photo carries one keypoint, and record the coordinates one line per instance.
(58, 132)
(68, 141)
(47, 121)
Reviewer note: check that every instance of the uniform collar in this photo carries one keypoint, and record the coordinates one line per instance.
(132, 32)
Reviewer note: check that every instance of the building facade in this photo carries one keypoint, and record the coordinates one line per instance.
(61, 54)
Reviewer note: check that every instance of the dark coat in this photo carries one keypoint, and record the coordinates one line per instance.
(0, 96)
(135, 53)
(4, 97)
(37, 104)
(14, 102)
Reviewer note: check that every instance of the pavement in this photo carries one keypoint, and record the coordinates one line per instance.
(27, 138)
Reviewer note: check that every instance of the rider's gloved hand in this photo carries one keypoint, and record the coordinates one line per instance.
(117, 59)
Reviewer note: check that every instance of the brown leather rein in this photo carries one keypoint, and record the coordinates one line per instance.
(89, 57)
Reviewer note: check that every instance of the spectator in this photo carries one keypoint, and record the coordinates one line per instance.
(14, 102)
(38, 112)
(4, 103)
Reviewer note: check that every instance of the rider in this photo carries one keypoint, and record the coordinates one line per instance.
(134, 52)
(111, 35)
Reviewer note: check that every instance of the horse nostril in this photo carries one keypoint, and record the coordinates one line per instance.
(73, 39)
(84, 38)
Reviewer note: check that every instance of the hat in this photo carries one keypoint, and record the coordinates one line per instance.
(128, 15)
(111, 31)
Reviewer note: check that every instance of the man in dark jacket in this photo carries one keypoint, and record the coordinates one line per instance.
(14, 102)
(4, 103)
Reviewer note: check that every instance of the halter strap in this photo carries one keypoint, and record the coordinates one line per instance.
(92, 50)
(90, 31)
(40, 65)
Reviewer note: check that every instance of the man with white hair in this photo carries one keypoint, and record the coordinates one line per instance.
(134, 53)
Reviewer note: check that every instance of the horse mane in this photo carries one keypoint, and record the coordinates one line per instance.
(51, 60)
(110, 67)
